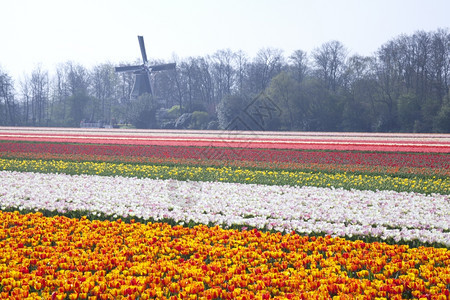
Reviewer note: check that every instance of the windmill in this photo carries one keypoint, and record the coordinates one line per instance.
(142, 82)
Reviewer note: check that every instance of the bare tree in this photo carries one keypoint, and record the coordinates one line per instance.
(39, 88)
(103, 82)
(165, 86)
(329, 60)
(241, 69)
(224, 73)
(26, 96)
(359, 103)
(299, 64)
(196, 82)
(268, 63)
(388, 71)
(440, 63)
(60, 94)
(7, 105)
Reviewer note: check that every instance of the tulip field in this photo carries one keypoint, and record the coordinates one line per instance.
(165, 214)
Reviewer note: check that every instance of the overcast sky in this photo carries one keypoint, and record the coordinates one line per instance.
(91, 32)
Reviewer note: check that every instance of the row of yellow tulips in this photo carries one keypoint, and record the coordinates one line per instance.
(227, 174)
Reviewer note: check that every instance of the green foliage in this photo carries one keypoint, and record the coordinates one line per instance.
(408, 111)
(197, 106)
(199, 120)
(77, 109)
(442, 120)
(355, 117)
(321, 108)
(144, 112)
(231, 113)
(146, 119)
(285, 92)
(174, 112)
(429, 111)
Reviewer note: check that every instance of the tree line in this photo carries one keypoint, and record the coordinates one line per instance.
(402, 87)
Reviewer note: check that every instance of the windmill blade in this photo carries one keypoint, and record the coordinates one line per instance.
(128, 69)
(163, 67)
(141, 44)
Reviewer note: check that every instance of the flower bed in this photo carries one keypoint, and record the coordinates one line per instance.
(433, 164)
(276, 217)
(61, 258)
(369, 215)
(261, 140)
(345, 180)
(414, 160)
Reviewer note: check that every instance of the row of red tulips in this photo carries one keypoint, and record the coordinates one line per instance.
(403, 164)
(267, 155)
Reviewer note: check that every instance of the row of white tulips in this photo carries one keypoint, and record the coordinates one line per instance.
(338, 212)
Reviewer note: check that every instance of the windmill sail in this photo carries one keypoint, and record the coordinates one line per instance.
(128, 69)
(142, 45)
(163, 67)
